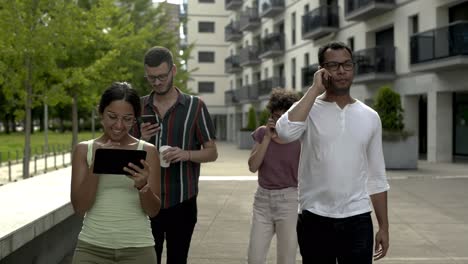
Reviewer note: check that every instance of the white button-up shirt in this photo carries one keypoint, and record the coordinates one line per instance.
(341, 161)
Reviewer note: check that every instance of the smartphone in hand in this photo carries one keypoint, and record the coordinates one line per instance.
(149, 119)
(327, 83)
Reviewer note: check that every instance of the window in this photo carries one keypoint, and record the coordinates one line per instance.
(206, 87)
(206, 1)
(206, 56)
(351, 43)
(306, 59)
(293, 73)
(414, 24)
(293, 28)
(206, 27)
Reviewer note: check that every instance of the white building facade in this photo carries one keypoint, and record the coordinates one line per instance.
(417, 47)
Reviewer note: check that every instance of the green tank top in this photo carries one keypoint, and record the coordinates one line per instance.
(116, 219)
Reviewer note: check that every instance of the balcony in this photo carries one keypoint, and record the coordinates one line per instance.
(247, 93)
(271, 8)
(230, 97)
(232, 4)
(440, 49)
(265, 86)
(231, 64)
(374, 64)
(320, 22)
(272, 46)
(249, 19)
(359, 10)
(232, 32)
(249, 56)
(308, 76)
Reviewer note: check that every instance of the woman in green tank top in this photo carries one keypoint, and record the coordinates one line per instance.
(116, 227)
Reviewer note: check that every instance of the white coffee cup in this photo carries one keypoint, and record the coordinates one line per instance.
(162, 162)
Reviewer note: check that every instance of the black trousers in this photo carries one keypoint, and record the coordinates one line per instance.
(175, 225)
(325, 240)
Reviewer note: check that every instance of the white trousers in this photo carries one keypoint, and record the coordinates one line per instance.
(274, 212)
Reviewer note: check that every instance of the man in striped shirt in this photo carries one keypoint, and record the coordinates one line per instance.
(183, 122)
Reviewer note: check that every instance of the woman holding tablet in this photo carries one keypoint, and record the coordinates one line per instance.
(116, 227)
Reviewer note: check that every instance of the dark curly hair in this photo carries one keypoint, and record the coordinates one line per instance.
(281, 100)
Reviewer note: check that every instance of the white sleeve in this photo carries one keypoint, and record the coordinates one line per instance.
(377, 181)
(288, 130)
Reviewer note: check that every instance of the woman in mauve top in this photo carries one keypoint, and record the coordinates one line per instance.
(275, 203)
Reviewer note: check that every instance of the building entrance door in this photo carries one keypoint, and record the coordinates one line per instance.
(422, 127)
(460, 123)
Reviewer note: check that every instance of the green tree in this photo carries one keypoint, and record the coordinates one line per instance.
(388, 105)
(264, 115)
(251, 119)
(30, 31)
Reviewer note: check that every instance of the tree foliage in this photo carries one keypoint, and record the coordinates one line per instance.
(251, 120)
(388, 105)
(65, 53)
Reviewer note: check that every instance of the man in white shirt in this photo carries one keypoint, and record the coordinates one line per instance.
(341, 169)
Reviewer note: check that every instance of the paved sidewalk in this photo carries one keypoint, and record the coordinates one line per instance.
(428, 210)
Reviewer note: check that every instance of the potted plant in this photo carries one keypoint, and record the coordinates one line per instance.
(400, 147)
(245, 138)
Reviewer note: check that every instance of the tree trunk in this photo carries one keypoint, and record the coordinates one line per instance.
(27, 124)
(74, 120)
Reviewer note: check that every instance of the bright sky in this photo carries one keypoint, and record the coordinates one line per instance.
(169, 1)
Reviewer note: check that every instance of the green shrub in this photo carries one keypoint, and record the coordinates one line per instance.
(264, 115)
(388, 105)
(251, 120)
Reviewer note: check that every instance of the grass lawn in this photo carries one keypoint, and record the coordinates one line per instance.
(15, 142)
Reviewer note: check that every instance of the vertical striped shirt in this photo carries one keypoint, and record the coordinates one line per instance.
(187, 125)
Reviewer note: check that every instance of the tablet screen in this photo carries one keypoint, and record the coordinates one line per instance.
(112, 161)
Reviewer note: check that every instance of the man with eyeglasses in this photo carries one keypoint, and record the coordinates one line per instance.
(341, 169)
(184, 124)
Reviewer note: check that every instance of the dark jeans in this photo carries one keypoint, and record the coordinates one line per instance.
(325, 240)
(175, 225)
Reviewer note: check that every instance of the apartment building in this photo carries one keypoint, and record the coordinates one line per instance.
(205, 29)
(417, 47)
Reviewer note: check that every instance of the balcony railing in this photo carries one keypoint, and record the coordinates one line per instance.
(365, 9)
(265, 86)
(374, 64)
(272, 45)
(231, 64)
(320, 22)
(249, 19)
(232, 4)
(308, 75)
(232, 32)
(440, 45)
(247, 93)
(271, 8)
(249, 56)
(230, 97)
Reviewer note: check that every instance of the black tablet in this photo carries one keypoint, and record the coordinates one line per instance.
(112, 161)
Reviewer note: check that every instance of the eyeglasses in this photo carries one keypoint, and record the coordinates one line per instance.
(127, 120)
(334, 66)
(161, 78)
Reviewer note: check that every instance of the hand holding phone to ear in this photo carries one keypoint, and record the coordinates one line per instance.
(322, 80)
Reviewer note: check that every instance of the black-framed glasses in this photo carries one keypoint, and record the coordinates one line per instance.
(161, 78)
(334, 66)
